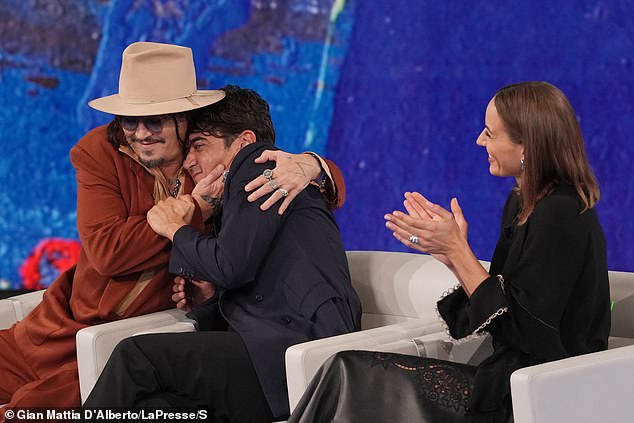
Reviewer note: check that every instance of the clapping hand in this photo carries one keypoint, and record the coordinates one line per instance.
(427, 227)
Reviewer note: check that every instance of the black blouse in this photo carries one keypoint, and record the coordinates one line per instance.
(547, 297)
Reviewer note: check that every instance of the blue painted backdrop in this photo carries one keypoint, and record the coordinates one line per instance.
(394, 91)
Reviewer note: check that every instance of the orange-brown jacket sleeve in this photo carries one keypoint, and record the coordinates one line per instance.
(335, 185)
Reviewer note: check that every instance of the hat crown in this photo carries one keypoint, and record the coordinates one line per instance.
(154, 72)
(156, 79)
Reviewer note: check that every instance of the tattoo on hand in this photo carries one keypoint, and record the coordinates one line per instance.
(213, 201)
(301, 169)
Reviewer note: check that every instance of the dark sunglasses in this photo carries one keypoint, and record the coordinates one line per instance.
(154, 124)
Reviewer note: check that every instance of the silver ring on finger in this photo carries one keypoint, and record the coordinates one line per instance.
(413, 239)
(283, 192)
(268, 174)
(273, 183)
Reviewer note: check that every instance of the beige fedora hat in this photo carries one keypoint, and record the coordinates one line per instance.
(156, 79)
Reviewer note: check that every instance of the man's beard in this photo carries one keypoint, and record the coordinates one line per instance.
(151, 164)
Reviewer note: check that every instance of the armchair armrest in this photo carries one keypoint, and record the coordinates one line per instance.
(24, 303)
(303, 360)
(14, 309)
(595, 387)
(95, 343)
(8, 315)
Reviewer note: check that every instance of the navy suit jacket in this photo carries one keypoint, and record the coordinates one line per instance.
(282, 280)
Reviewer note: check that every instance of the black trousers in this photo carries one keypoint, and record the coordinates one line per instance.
(193, 370)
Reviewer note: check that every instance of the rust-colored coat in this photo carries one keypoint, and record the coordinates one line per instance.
(38, 355)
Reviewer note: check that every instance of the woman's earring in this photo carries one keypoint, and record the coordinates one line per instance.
(522, 163)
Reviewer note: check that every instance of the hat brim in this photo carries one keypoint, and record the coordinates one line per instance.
(116, 105)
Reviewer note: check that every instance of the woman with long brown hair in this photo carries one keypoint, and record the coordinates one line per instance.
(545, 296)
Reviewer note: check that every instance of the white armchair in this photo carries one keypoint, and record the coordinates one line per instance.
(95, 343)
(398, 293)
(589, 388)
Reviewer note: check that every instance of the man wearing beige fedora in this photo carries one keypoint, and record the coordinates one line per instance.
(122, 170)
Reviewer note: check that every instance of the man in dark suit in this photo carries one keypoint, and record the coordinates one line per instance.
(273, 281)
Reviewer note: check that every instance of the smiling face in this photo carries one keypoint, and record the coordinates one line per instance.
(208, 151)
(156, 146)
(505, 156)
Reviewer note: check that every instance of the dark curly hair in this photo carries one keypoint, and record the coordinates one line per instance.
(242, 109)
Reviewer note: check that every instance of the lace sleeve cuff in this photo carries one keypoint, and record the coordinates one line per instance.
(466, 317)
(487, 302)
(450, 309)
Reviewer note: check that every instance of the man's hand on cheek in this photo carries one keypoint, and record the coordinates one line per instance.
(208, 192)
(168, 216)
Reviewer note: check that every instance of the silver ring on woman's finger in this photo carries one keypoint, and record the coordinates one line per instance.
(273, 183)
(268, 174)
(283, 192)
(413, 239)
